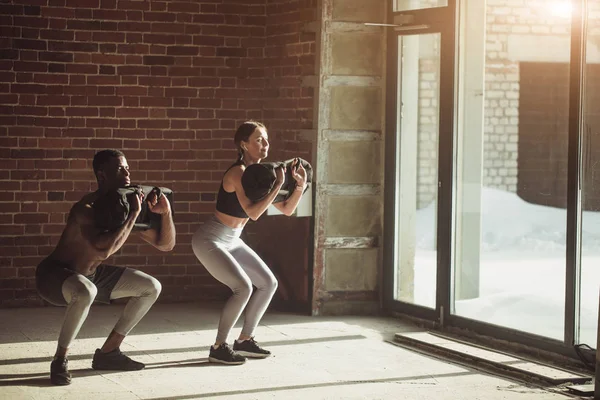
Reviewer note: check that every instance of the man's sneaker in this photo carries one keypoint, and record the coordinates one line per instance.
(224, 355)
(249, 348)
(59, 371)
(115, 361)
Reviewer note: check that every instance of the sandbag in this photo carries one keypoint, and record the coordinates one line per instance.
(258, 179)
(112, 208)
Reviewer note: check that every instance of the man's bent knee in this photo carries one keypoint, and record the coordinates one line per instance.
(153, 288)
(79, 289)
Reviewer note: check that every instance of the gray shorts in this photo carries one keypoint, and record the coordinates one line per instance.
(51, 274)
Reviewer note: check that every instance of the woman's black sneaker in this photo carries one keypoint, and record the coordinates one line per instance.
(224, 355)
(249, 348)
(59, 371)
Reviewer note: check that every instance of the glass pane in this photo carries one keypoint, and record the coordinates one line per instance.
(417, 163)
(590, 195)
(407, 5)
(510, 243)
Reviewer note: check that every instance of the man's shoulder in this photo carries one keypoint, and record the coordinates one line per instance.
(84, 206)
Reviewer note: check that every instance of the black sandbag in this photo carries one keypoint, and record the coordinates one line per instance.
(112, 208)
(258, 179)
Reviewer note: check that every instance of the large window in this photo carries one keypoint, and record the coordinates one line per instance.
(416, 165)
(512, 160)
(507, 228)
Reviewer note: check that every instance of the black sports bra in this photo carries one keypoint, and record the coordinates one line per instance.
(228, 203)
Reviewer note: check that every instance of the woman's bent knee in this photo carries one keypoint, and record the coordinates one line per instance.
(274, 284)
(243, 289)
(270, 284)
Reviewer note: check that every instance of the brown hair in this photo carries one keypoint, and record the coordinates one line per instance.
(243, 133)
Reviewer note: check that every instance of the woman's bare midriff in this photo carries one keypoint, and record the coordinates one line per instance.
(232, 222)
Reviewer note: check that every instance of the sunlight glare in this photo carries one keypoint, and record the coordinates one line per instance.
(561, 9)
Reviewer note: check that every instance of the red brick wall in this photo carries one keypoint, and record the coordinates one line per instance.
(290, 53)
(165, 81)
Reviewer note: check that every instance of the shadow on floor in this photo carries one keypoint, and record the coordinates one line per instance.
(314, 385)
(201, 349)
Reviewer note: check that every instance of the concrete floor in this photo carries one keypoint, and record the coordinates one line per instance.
(313, 358)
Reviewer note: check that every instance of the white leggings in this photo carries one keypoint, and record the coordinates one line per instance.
(80, 292)
(229, 260)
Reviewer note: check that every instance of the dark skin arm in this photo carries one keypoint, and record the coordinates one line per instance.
(105, 243)
(164, 238)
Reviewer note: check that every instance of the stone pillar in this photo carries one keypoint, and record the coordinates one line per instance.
(349, 195)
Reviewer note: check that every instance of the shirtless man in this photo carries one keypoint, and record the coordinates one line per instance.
(74, 275)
